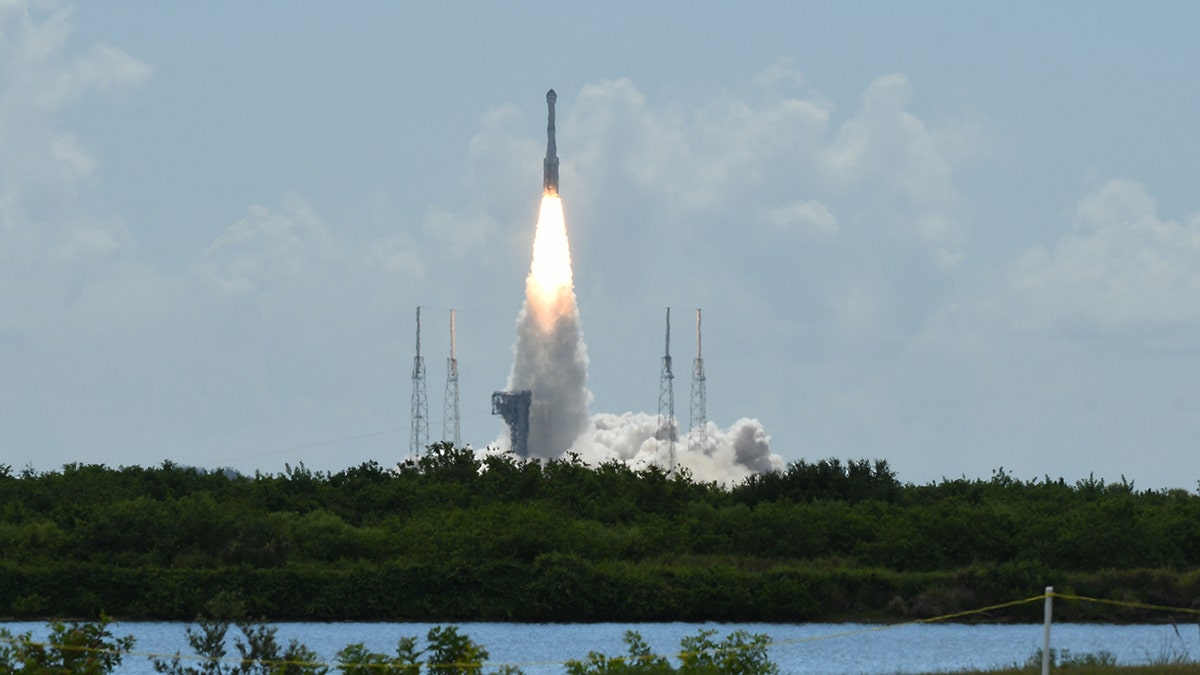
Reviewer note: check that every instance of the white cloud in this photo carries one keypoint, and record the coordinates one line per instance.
(42, 167)
(88, 242)
(66, 149)
(59, 265)
(268, 248)
(783, 72)
(888, 150)
(461, 236)
(105, 68)
(807, 216)
(290, 249)
(37, 66)
(1121, 268)
(692, 158)
(1069, 358)
(884, 170)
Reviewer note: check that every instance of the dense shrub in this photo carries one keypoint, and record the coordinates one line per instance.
(454, 537)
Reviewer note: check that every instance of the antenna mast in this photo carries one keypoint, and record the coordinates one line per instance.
(450, 425)
(698, 437)
(420, 403)
(666, 403)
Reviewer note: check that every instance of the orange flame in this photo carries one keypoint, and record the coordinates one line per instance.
(549, 289)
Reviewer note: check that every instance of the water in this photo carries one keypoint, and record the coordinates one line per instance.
(801, 649)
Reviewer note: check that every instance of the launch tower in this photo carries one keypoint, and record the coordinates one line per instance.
(698, 436)
(666, 403)
(420, 403)
(450, 419)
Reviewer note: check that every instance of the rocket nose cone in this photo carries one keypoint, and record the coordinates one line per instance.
(551, 97)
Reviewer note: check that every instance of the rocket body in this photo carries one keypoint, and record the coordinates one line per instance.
(550, 164)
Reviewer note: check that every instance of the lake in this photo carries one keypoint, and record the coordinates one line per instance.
(801, 649)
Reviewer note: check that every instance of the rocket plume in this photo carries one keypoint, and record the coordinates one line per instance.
(550, 359)
(549, 289)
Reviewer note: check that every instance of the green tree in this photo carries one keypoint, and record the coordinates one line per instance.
(259, 653)
(640, 660)
(356, 659)
(740, 653)
(448, 652)
(79, 648)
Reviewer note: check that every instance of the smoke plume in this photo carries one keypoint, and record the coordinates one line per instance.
(728, 456)
(550, 360)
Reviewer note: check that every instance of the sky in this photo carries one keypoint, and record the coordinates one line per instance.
(956, 236)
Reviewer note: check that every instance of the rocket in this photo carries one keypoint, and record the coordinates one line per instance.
(550, 164)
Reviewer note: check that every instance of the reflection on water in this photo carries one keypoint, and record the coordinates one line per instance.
(801, 649)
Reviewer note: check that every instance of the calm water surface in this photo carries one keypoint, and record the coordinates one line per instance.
(825, 649)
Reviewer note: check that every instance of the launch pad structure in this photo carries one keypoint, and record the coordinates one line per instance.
(513, 406)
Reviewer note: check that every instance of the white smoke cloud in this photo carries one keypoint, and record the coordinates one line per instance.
(553, 365)
(729, 454)
(551, 362)
(550, 357)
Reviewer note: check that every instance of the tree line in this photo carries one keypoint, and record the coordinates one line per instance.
(455, 537)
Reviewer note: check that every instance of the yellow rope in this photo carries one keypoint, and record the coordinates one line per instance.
(893, 626)
(1124, 603)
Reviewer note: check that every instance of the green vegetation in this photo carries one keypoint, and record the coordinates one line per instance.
(454, 538)
(447, 653)
(76, 648)
(258, 650)
(1094, 664)
(90, 649)
(740, 652)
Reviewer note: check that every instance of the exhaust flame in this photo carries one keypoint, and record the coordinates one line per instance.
(550, 359)
(549, 290)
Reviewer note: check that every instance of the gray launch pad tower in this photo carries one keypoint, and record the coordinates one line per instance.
(513, 406)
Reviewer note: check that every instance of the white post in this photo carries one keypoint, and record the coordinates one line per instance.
(1046, 631)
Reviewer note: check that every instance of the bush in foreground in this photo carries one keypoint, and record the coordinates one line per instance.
(83, 648)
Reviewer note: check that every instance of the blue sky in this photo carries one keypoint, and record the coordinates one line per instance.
(951, 235)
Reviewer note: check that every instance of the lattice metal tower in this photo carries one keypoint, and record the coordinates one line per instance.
(666, 403)
(450, 425)
(698, 436)
(420, 403)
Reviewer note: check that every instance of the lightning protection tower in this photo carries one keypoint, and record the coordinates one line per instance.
(420, 403)
(698, 436)
(666, 403)
(450, 425)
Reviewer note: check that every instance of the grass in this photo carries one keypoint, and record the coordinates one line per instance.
(1168, 668)
(1172, 661)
